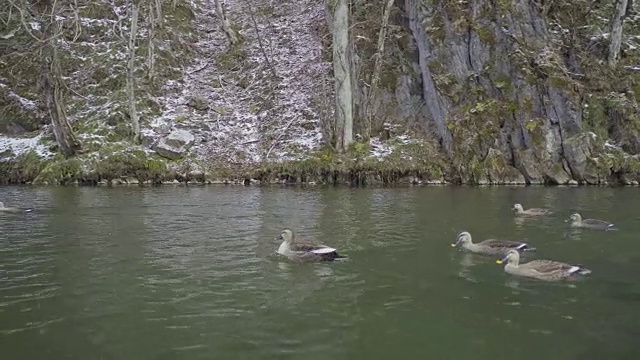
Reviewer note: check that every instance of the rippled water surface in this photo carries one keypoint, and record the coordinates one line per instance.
(190, 273)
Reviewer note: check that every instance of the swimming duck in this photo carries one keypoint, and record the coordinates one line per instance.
(10, 209)
(576, 221)
(548, 270)
(304, 252)
(533, 211)
(490, 246)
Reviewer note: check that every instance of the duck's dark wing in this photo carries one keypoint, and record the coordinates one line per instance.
(540, 211)
(316, 251)
(495, 243)
(597, 222)
(301, 246)
(546, 266)
(309, 256)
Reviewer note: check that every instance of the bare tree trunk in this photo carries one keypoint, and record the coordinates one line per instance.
(342, 74)
(51, 85)
(158, 12)
(260, 44)
(616, 31)
(151, 37)
(377, 68)
(232, 35)
(133, 113)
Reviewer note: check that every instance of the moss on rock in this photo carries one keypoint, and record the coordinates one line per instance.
(61, 172)
(500, 171)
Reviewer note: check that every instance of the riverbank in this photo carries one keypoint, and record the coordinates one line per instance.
(404, 162)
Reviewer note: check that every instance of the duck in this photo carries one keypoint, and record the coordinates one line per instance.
(305, 252)
(490, 246)
(10, 209)
(548, 270)
(577, 221)
(532, 211)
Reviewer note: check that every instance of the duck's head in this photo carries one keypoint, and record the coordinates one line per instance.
(517, 207)
(286, 235)
(463, 238)
(575, 217)
(511, 256)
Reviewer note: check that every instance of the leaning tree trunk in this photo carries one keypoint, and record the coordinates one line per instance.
(225, 24)
(151, 36)
(51, 85)
(377, 68)
(616, 31)
(342, 74)
(133, 113)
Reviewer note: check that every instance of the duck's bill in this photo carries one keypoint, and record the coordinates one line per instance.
(454, 245)
(501, 261)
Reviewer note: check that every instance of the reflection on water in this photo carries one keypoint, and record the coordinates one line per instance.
(191, 272)
(467, 262)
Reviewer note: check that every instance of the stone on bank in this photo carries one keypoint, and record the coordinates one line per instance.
(175, 145)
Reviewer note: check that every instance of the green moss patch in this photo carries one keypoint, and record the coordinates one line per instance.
(407, 161)
(22, 169)
(62, 171)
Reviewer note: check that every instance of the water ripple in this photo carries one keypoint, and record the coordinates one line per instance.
(191, 270)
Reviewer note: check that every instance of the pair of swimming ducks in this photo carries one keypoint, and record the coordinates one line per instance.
(575, 218)
(509, 251)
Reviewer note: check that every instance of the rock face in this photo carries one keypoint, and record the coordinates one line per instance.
(491, 69)
(175, 145)
(578, 152)
(500, 172)
(478, 61)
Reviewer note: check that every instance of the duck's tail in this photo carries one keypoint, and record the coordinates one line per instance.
(579, 270)
(584, 271)
(611, 227)
(336, 256)
(525, 247)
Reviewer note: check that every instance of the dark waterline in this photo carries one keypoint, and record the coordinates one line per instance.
(189, 272)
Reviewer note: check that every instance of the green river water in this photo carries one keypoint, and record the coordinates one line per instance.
(190, 273)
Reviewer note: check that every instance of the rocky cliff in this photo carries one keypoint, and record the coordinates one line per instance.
(516, 91)
(478, 91)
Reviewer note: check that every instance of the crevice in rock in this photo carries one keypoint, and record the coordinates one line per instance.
(469, 53)
(435, 105)
(557, 123)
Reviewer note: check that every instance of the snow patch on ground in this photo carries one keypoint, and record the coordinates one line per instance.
(24, 102)
(19, 146)
(239, 113)
(248, 116)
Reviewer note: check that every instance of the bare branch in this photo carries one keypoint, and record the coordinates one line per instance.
(152, 36)
(51, 83)
(232, 35)
(275, 142)
(23, 21)
(133, 113)
(616, 31)
(375, 77)
(260, 44)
